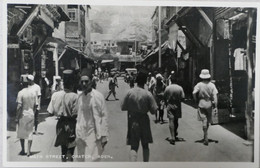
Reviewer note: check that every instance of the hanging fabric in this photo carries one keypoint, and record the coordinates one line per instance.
(239, 55)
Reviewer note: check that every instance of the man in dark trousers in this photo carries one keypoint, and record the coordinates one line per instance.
(112, 86)
(138, 102)
(173, 95)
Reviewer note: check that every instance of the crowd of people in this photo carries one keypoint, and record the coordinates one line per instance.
(82, 116)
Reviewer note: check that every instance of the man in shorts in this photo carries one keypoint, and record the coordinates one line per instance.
(173, 95)
(138, 102)
(205, 94)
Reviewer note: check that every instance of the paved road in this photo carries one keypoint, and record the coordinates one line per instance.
(230, 147)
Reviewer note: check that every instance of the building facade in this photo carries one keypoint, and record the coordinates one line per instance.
(219, 39)
(29, 28)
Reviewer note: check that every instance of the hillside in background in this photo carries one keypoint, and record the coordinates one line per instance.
(124, 23)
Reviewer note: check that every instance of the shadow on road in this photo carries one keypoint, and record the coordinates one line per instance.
(38, 133)
(177, 139)
(158, 122)
(210, 141)
(31, 154)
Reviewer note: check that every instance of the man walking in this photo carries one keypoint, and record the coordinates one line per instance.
(173, 95)
(37, 90)
(158, 91)
(63, 105)
(26, 104)
(131, 80)
(205, 94)
(138, 102)
(91, 128)
(112, 84)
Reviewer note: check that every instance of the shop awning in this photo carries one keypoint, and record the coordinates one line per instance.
(39, 13)
(75, 52)
(130, 58)
(28, 20)
(106, 61)
(45, 44)
(183, 19)
(164, 46)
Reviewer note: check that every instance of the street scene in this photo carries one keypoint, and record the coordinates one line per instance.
(90, 83)
(225, 150)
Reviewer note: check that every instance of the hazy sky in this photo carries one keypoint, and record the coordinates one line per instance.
(114, 18)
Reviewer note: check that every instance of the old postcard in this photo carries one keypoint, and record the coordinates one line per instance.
(130, 83)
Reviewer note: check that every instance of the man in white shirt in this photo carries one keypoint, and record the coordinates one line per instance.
(91, 127)
(63, 105)
(37, 90)
(205, 94)
(26, 105)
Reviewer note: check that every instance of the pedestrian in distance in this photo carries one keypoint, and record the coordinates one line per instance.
(205, 95)
(63, 105)
(151, 82)
(138, 102)
(131, 80)
(37, 90)
(91, 128)
(112, 84)
(174, 95)
(169, 78)
(94, 81)
(27, 103)
(158, 92)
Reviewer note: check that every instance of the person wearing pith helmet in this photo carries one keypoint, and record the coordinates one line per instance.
(205, 94)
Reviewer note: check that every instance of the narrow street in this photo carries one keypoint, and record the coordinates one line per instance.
(230, 147)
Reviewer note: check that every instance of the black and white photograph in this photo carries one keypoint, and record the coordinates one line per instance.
(133, 84)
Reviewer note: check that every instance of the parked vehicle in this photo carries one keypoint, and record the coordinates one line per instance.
(130, 70)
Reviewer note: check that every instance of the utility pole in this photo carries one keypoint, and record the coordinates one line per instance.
(135, 49)
(79, 34)
(160, 42)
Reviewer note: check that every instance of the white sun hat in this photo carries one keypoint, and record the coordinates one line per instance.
(205, 74)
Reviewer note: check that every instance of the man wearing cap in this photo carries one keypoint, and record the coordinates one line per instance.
(173, 95)
(205, 94)
(37, 90)
(26, 104)
(91, 127)
(63, 105)
(138, 102)
(57, 84)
